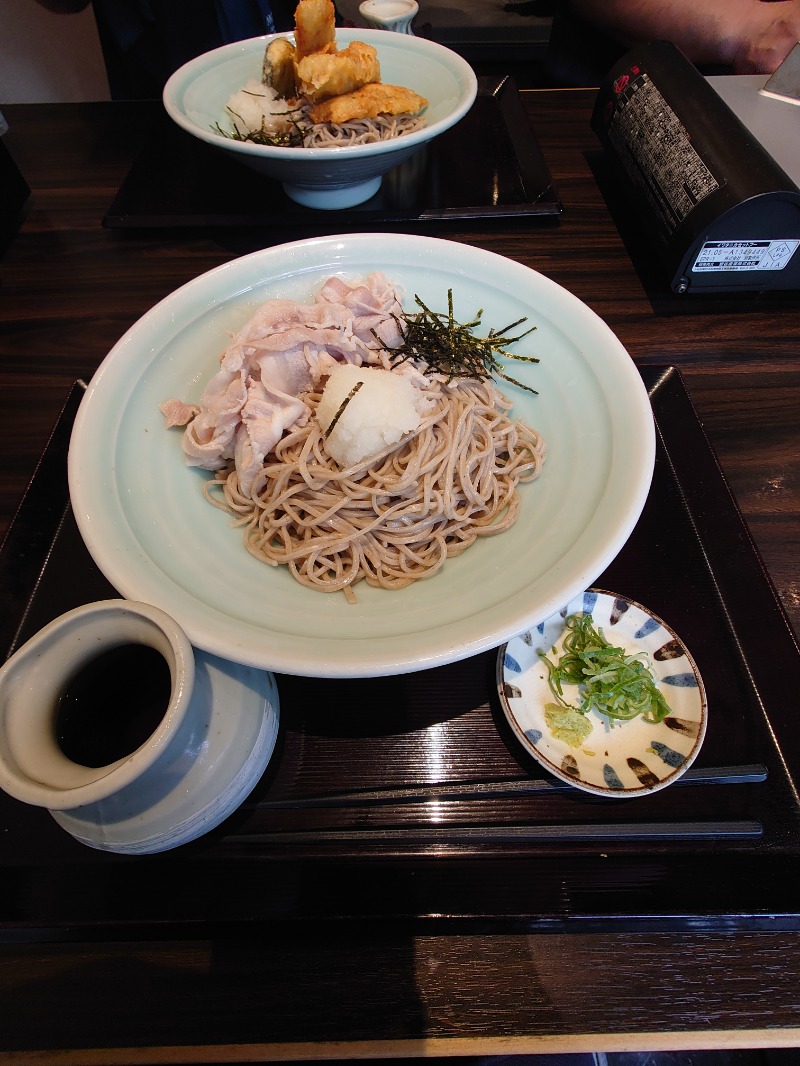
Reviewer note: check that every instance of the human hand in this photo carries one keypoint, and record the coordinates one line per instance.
(767, 37)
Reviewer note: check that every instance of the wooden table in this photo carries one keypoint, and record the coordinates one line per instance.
(406, 988)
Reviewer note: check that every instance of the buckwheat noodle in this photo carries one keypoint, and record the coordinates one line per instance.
(360, 131)
(396, 518)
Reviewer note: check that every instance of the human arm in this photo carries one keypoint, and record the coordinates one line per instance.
(750, 36)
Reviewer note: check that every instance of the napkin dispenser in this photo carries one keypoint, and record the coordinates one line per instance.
(716, 209)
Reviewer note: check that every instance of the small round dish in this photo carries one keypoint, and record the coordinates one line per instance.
(617, 759)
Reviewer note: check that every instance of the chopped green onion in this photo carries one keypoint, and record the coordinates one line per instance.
(609, 680)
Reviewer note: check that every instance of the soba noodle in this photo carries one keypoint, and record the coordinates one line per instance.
(397, 517)
(360, 131)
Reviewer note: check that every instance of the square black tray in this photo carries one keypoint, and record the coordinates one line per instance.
(487, 166)
(350, 821)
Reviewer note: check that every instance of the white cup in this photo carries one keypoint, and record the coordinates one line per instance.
(394, 15)
(33, 768)
(200, 761)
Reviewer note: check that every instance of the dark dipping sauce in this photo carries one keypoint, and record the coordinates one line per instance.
(112, 704)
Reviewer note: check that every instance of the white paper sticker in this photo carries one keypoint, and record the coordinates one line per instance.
(745, 255)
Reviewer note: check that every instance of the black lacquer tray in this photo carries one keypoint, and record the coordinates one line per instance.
(408, 798)
(487, 166)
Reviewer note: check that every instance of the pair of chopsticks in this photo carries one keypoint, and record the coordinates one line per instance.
(438, 836)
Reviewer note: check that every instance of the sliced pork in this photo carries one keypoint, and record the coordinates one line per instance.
(281, 352)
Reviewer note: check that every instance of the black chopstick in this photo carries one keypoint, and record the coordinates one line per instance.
(713, 775)
(511, 834)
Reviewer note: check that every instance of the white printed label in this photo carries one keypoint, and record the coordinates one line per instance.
(745, 255)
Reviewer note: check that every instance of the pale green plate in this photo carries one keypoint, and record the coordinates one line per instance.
(148, 527)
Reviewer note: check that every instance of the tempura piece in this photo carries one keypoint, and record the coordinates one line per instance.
(314, 27)
(278, 69)
(369, 101)
(321, 76)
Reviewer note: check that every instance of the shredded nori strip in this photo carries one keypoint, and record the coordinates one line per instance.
(291, 138)
(453, 349)
(341, 410)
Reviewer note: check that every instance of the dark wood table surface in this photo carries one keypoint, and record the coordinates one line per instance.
(69, 288)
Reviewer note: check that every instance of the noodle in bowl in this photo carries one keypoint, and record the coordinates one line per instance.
(363, 131)
(396, 518)
(328, 177)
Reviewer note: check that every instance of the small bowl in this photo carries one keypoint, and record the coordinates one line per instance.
(626, 759)
(324, 178)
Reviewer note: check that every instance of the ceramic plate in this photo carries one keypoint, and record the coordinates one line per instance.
(148, 527)
(631, 758)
